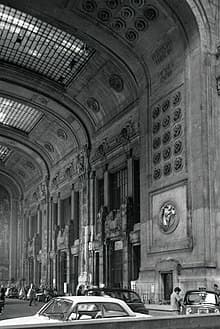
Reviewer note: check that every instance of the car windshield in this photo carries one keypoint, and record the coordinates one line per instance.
(201, 298)
(57, 308)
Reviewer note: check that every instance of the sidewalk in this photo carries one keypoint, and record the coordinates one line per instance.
(159, 307)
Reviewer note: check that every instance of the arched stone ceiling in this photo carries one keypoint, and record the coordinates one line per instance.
(134, 44)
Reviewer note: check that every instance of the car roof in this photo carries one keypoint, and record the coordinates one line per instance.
(100, 299)
(112, 289)
(201, 291)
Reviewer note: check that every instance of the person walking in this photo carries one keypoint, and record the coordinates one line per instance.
(32, 295)
(2, 299)
(176, 300)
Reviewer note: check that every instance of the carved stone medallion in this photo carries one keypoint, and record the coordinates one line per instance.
(168, 217)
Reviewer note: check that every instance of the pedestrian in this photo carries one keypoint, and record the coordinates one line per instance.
(216, 289)
(2, 299)
(176, 300)
(32, 295)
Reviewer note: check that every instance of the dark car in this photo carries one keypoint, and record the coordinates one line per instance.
(200, 302)
(131, 298)
(12, 293)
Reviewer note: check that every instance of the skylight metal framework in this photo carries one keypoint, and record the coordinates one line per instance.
(18, 115)
(35, 45)
(4, 152)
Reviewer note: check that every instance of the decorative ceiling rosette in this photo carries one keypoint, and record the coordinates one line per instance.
(151, 13)
(116, 82)
(93, 104)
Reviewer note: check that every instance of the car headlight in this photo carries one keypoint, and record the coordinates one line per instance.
(216, 310)
(188, 310)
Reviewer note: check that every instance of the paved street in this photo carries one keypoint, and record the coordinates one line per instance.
(17, 308)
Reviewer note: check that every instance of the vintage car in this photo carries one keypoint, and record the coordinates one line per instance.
(130, 297)
(12, 292)
(79, 308)
(200, 302)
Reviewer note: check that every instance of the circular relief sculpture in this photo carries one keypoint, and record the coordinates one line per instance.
(137, 3)
(156, 143)
(156, 158)
(89, 5)
(178, 147)
(166, 121)
(131, 35)
(151, 13)
(140, 24)
(112, 4)
(177, 98)
(167, 153)
(104, 15)
(93, 104)
(166, 137)
(157, 173)
(177, 115)
(156, 112)
(177, 130)
(168, 218)
(178, 164)
(118, 24)
(166, 105)
(127, 12)
(116, 82)
(167, 169)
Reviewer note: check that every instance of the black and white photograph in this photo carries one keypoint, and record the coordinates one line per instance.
(110, 164)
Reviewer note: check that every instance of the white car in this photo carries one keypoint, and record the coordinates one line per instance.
(80, 308)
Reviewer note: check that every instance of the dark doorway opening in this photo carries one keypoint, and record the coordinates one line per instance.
(167, 285)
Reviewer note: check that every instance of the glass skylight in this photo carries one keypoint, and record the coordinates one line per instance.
(18, 115)
(35, 45)
(4, 152)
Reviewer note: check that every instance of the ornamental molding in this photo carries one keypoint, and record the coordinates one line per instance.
(128, 134)
(78, 166)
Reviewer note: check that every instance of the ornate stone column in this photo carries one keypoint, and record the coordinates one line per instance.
(50, 226)
(72, 202)
(38, 220)
(59, 210)
(29, 226)
(106, 188)
(13, 240)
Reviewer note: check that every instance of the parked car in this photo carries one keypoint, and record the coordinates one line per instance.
(44, 295)
(71, 308)
(200, 302)
(130, 297)
(12, 292)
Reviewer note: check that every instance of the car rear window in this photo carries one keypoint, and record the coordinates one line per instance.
(201, 298)
(111, 310)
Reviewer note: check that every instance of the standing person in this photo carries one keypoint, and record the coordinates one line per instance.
(2, 299)
(176, 300)
(32, 295)
(216, 289)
